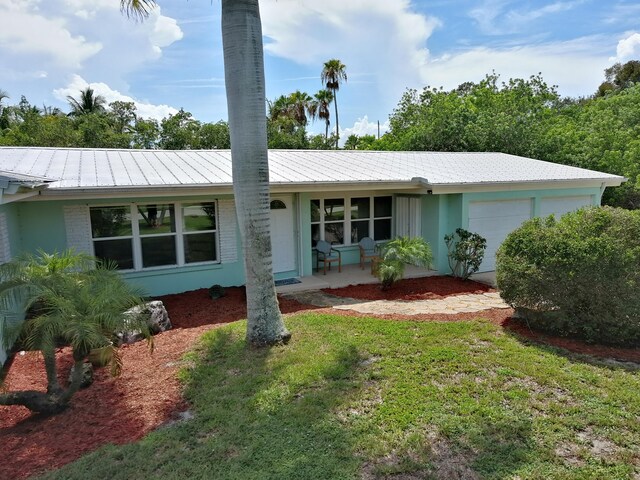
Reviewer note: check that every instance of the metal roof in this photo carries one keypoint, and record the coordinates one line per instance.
(103, 168)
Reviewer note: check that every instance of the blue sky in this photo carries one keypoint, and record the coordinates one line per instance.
(53, 48)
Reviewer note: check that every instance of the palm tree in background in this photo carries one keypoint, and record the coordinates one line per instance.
(297, 106)
(87, 103)
(323, 101)
(334, 72)
(245, 87)
(3, 95)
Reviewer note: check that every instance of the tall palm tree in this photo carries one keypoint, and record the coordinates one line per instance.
(301, 105)
(87, 103)
(245, 86)
(334, 72)
(323, 101)
(3, 95)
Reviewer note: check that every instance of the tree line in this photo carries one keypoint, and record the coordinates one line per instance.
(520, 116)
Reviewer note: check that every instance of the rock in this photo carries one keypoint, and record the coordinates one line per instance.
(216, 291)
(87, 375)
(156, 317)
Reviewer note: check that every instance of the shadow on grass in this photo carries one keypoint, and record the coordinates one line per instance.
(574, 350)
(259, 413)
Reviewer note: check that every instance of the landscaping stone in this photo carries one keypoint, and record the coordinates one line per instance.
(156, 316)
(87, 374)
(465, 303)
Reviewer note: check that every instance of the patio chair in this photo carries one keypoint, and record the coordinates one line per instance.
(327, 255)
(368, 251)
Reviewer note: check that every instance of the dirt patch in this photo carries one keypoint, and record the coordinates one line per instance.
(425, 288)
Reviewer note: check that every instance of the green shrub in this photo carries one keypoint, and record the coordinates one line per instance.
(400, 252)
(578, 276)
(465, 252)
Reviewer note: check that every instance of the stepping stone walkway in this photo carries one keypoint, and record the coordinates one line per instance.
(466, 303)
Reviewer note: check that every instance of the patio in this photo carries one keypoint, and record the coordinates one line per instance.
(350, 275)
(354, 275)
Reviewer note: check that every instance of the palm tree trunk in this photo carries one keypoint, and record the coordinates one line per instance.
(244, 79)
(49, 355)
(335, 104)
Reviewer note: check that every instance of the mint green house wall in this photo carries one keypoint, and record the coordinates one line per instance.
(41, 225)
(441, 214)
(13, 226)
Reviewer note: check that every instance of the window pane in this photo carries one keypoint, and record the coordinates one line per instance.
(110, 221)
(334, 233)
(200, 247)
(315, 210)
(334, 209)
(199, 216)
(277, 205)
(382, 229)
(382, 206)
(158, 251)
(359, 230)
(359, 208)
(156, 219)
(118, 251)
(315, 234)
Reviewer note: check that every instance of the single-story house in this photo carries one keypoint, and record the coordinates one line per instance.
(168, 217)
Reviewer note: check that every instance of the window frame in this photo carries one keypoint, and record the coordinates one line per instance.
(348, 220)
(180, 232)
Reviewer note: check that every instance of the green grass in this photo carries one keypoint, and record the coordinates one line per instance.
(364, 398)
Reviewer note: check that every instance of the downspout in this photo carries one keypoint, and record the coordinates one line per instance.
(603, 185)
(300, 248)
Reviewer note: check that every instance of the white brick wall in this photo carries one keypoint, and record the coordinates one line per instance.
(227, 231)
(78, 225)
(5, 245)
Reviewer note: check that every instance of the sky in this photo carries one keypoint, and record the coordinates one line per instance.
(53, 48)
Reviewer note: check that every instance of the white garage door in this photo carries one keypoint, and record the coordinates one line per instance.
(558, 206)
(494, 221)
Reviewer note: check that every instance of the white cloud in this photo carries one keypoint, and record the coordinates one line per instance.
(494, 17)
(575, 66)
(383, 39)
(144, 109)
(361, 127)
(628, 49)
(26, 31)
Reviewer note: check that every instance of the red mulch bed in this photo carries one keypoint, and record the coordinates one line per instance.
(147, 394)
(425, 288)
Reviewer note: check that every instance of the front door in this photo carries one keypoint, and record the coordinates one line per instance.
(282, 234)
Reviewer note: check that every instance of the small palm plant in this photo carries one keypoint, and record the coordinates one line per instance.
(397, 254)
(70, 299)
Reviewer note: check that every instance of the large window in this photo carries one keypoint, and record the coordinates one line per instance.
(359, 217)
(150, 235)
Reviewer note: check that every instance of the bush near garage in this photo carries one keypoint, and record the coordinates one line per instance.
(577, 276)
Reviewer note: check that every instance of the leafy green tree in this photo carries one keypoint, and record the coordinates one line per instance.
(123, 116)
(179, 131)
(146, 134)
(334, 72)
(73, 302)
(214, 136)
(320, 142)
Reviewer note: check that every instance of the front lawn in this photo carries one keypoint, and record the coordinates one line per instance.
(368, 398)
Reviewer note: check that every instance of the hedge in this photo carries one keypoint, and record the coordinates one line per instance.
(578, 276)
